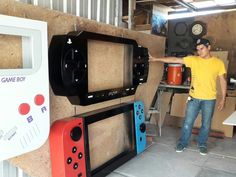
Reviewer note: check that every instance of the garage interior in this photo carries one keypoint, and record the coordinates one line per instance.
(165, 28)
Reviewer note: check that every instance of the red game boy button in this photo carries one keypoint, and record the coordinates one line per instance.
(39, 100)
(24, 108)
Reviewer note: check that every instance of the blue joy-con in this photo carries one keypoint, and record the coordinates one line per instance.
(140, 127)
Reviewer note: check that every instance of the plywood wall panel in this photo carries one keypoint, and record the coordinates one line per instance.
(221, 31)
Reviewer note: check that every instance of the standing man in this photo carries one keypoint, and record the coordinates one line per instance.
(202, 95)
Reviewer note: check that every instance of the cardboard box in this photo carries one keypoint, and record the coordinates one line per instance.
(231, 93)
(220, 116)
(178, 104)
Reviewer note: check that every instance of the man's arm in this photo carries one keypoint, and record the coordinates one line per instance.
(223, 85)
(166, 59)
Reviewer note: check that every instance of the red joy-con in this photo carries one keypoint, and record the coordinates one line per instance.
(67, 148)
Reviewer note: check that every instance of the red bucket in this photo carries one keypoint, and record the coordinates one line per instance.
(174, 74)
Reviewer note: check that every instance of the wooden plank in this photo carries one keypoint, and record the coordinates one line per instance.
(143, 27)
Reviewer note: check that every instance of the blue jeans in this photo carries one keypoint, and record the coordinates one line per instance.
(194, 106)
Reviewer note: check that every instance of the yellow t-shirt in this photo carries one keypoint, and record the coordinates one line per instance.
(204, 73)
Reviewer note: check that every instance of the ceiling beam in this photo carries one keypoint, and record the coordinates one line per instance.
(186, 4)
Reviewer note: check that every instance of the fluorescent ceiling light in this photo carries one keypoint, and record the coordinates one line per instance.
(224, 2)
(204, 4)
(211, 3)
(193, 14)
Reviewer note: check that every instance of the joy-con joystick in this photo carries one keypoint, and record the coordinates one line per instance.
(67, 148)
(76, 133)
(140, 127)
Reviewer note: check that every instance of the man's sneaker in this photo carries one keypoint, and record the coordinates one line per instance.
(203, 150)
(179, 148)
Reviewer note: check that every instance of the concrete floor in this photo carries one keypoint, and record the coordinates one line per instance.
(161, 160)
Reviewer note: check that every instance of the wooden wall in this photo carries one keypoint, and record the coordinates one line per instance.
(221, 31)
(37, 163)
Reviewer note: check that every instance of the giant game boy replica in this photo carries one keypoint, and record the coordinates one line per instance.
(24, 91)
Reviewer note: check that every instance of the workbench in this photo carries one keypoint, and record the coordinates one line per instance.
(174, 88)
(159, 105)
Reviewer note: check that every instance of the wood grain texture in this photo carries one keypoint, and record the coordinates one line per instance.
(222, 34)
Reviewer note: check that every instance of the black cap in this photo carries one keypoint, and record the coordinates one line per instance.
(203, 41)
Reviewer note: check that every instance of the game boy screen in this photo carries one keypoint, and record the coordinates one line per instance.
(15, 52)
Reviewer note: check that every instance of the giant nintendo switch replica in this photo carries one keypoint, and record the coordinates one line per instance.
(24, 92)
(70, 144)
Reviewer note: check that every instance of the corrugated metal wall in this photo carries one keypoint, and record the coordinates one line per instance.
(7, 170)
(105, 11)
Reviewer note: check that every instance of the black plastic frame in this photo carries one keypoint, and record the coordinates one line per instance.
(117, 161)
(68, 72)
